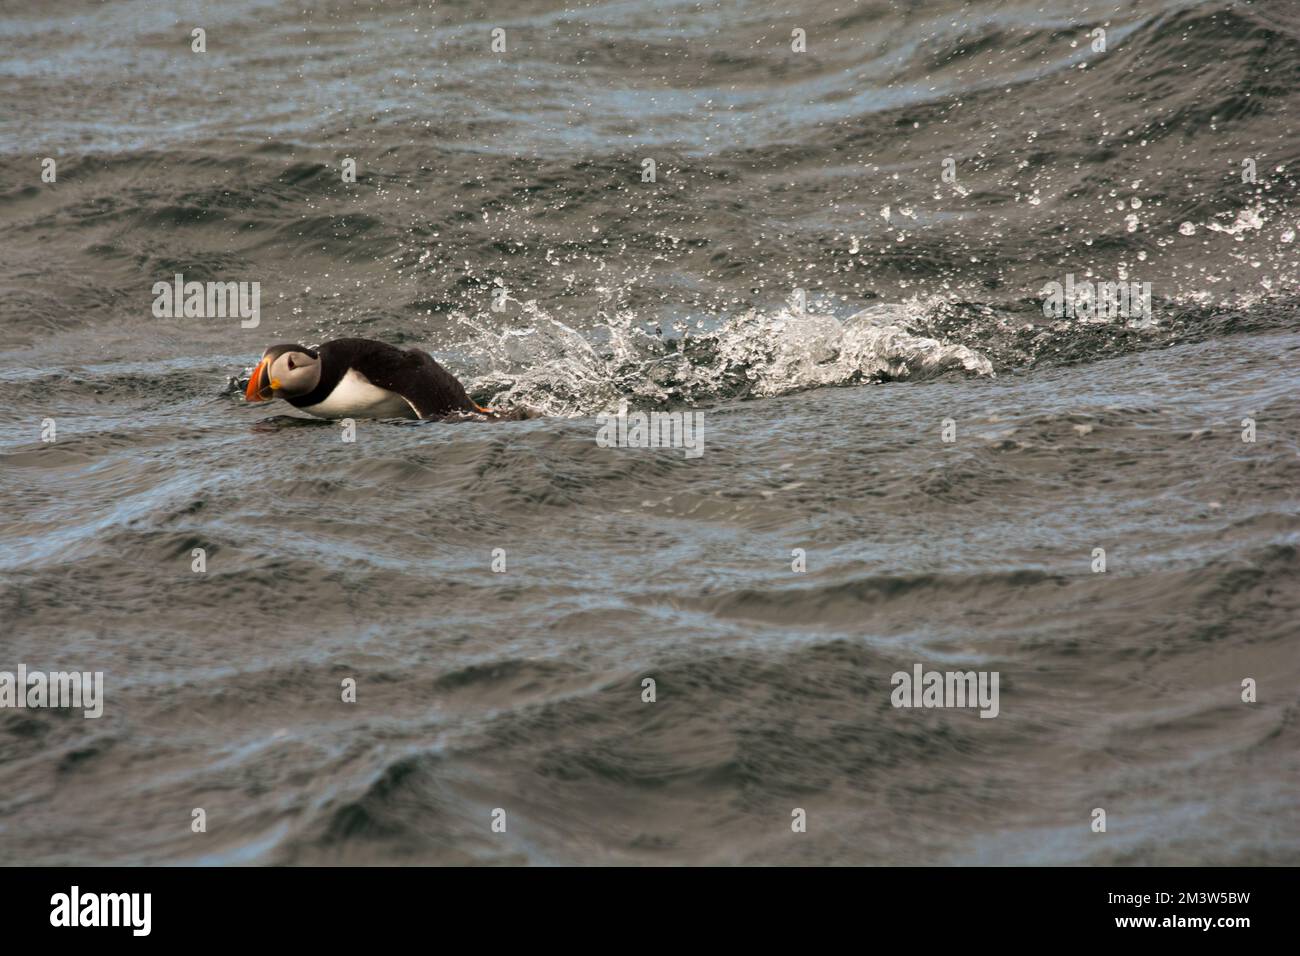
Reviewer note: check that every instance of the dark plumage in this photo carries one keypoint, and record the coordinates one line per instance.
(359, 378)
(415, 375)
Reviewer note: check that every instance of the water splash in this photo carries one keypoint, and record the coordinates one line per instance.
(550, 367)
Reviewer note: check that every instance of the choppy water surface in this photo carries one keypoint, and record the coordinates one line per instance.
(802, 273)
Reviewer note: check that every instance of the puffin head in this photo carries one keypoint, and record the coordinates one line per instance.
(285, 371)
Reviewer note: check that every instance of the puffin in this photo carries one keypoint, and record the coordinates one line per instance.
(359, 378)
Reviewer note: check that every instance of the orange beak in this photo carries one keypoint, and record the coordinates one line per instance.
(259, 390)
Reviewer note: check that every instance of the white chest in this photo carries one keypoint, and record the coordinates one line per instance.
(354, 397)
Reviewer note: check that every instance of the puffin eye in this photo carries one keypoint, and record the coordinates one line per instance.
(291, 365)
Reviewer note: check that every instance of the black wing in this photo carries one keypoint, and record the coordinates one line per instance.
(427, 387)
